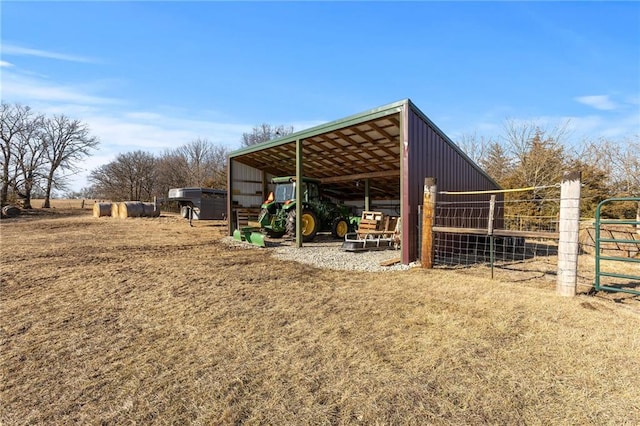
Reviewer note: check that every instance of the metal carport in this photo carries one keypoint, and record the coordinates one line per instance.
(384, 153)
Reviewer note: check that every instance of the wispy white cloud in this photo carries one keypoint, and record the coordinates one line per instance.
(152, 132)
(119, 126)
(601, 102)
(615, 125)
(29, 88)
(10, 49)
(5, 64)
(143, 115)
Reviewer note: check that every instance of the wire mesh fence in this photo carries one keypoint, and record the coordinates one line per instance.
(514, 234)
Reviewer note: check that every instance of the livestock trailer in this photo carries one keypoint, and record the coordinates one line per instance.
(200, 203)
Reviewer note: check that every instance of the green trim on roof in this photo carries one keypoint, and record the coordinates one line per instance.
(373, 114)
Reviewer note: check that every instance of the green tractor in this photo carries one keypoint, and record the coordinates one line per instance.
(278, 214)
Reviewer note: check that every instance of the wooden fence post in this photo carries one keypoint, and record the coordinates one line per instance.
(492, 250)
(569, 229)
(428, 217)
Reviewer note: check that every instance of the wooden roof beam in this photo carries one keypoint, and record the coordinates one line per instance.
(375, 143)
(383, 132)
(355, 154)
(358, 176)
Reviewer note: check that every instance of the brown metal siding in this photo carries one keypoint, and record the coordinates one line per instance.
(430, 154)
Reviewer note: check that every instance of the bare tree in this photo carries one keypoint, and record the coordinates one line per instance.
(29, 158)
(538, 153)
(15, 121)
(476, 147)
(172, 171)
(197, 163)
(623, 160)
(265, 132)
(596, 184)
(66, 142)
(197, 159)
(218, 171)
(131, 176)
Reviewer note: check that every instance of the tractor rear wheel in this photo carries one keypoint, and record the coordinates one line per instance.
(339, 228)
(309, 224)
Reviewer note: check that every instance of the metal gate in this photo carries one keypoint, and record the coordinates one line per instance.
(619, 238)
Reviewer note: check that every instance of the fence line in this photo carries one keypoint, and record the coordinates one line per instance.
(508, 232)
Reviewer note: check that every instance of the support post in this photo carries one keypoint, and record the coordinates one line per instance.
(367, 198)
(230, 217)
(298, 193)
(569, 229)
(492, 251)
(428, 217)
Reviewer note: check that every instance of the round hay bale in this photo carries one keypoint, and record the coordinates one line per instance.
(586, 237)
(114, 210)
(102, 209)
(10, 211)
(130, 209)
(150, 210)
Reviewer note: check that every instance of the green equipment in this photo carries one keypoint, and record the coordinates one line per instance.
(278, 212)
(248, 234)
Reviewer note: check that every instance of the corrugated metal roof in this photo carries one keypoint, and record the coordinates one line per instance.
(345, 150)
(339, 153)
(326, 127)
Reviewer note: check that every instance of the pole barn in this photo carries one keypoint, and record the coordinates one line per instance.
(377, 159)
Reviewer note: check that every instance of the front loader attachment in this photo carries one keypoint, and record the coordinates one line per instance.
(250, 234)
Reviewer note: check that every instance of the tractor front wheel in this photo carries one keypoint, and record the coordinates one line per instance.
(339, 228)
(309, 224)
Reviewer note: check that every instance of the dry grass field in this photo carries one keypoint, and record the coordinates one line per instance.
(140, 321)
(66, 204)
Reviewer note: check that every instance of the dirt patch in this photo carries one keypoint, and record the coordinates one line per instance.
(148, 320)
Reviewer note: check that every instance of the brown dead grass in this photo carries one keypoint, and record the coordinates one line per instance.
(151, 321)
(66, 203)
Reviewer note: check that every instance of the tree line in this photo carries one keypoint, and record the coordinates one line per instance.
(527, 154)
(39, 152)
(141, 175)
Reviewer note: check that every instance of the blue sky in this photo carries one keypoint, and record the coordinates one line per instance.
(155, 75)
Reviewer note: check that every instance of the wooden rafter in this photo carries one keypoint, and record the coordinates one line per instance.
(345, 178)
(373, 142)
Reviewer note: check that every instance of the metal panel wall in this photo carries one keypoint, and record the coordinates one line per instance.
(246, 185)
(430, 153)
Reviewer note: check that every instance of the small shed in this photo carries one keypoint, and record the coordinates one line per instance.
(200, 203)
(377, 159)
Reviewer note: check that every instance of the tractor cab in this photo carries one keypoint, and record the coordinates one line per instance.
(277, 216)
(285, 190)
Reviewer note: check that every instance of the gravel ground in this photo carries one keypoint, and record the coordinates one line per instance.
(325, 252)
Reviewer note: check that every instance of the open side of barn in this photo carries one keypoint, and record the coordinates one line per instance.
(377, 159)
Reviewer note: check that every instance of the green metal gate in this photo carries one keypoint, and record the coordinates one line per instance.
(630, 242)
